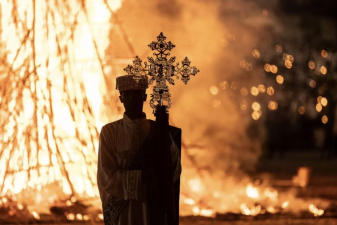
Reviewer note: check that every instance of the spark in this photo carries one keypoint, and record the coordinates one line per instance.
(301, 110)
(270, 91)
(272, 105)
(214, 90)
(261, 88)
(256, 106)
(319, 107)
(278, 48)
(311, 65)
(285, 204)
(256, 115)
(279, 79)
(323, 70)
(273, 69)
(324, 101)
(243, 105)
(244, 91)
(254, 90)
(224, 85)
(312, 83)
(324, 54)
(267, 67)
(256, 53)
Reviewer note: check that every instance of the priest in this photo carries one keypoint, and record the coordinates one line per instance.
(139, 162)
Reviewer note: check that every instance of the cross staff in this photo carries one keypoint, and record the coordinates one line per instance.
(161, 70)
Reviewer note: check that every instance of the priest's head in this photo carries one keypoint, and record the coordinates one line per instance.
(132, 94)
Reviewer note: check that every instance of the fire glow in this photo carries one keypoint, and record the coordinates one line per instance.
(51, 139)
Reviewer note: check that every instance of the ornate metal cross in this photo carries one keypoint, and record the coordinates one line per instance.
(161, 70)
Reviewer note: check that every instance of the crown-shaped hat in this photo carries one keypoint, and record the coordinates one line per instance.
(128, 82)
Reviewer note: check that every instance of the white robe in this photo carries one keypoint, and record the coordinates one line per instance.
(118, 144)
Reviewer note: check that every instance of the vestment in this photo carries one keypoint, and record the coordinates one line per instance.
(122, 191)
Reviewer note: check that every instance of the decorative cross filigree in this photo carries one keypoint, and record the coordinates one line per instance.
(161, 70)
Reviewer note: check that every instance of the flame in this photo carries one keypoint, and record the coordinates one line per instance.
(49, 147)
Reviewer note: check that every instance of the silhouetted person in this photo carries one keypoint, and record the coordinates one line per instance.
(129, 162)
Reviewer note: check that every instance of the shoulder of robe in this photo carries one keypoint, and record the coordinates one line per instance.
(110, 127)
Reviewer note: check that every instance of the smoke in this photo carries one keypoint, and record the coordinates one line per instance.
(215, 36)
(221, 141)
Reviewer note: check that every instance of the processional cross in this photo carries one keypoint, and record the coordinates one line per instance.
(161, 70)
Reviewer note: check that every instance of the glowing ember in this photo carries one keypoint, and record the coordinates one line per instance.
(79, 216)
(271, 209)
(36, 215)
(196, 210)
(20, 206)
(285, 205)
(252, 192)
(250, 211)
(317, 212)
(207, 212)
(196, 185)
(85, 217)
(189, 201)
(214, 90)
(71, 216)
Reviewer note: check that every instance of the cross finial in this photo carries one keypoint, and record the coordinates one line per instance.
(161, 70)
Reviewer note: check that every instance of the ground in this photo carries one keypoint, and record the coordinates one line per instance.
(328, 221)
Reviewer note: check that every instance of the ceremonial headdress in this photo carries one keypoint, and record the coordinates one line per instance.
(127, 82)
